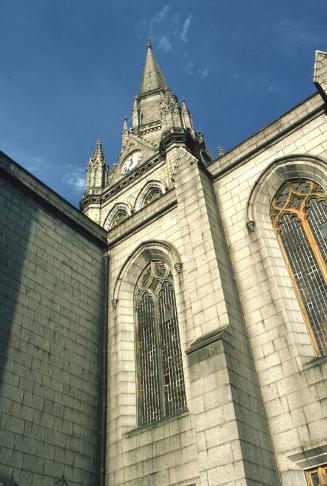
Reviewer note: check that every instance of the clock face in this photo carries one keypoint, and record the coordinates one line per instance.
(131, 161)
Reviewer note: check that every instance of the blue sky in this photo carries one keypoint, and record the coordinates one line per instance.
(69, 70)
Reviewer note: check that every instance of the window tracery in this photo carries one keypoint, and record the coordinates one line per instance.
(152, 195)
(317, 476)
(119, 218)
(299, 217)
(161, 388)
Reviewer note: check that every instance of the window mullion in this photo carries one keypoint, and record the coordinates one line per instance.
(159, 355)
(314, 247)
(298, 294)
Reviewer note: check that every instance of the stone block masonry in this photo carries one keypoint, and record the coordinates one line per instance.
(51, 334)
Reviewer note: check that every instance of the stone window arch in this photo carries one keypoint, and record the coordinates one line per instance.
(263, 236)
(160, 377)
(152, 195)
(119, 213)
(299, 217)
(151, 191)
(124, 366)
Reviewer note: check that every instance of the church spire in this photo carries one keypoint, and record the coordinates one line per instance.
(97, 169)
(152, 78)
(98, 156)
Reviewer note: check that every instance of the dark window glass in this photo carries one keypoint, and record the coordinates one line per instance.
(120, 217)
(153, 194)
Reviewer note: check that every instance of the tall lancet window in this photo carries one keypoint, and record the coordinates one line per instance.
(161, 388)
(299, 216)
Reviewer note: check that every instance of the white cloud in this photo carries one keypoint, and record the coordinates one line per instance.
(158, 18)
(203, 73)
(33, 163)
(75, 177)
(185, 28)
(164, 43)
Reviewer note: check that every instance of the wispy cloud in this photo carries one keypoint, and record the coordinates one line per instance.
(167, 28)
(34, 163)
(292, 34)
(37, 165)
(75, 177)
(185, 28)
(164, 43)
(166, 25)
(157, 19)
(203, 73)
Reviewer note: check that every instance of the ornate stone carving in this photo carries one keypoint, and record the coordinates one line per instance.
(178, 267)
(169, 103)
(250, 226)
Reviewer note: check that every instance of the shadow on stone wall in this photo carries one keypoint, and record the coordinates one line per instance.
(14, 232)
(51, 336)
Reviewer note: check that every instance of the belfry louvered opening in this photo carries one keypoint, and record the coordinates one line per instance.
(161, 388)
(299, 216)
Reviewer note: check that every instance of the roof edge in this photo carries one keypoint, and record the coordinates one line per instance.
(51, 200)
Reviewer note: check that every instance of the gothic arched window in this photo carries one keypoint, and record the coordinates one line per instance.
(119, 218)
(161, 388)
(299, 217)
(153, 194)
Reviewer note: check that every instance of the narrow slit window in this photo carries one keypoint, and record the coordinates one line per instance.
(299, 217)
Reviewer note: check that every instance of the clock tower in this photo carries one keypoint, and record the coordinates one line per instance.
(157, 116)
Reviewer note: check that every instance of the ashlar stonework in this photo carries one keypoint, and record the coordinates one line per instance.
(207, 312)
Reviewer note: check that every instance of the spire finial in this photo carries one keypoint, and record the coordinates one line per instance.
(152, 78)
(149, 44)
(98, 155)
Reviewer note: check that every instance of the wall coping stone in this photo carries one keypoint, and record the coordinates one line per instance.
(270, 134)
(48, 198)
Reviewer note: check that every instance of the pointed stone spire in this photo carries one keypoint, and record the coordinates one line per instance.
(98, 156)
(135, 114)
(124, 134)
(187, 117)
(153, 78)
(97, 170)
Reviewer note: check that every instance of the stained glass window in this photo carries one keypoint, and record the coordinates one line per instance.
(119, 218)
(317, 476)
(161, 387)
(299, 216)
